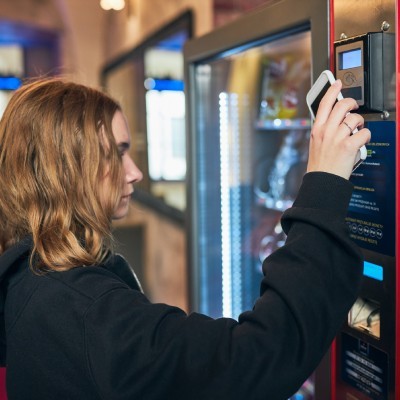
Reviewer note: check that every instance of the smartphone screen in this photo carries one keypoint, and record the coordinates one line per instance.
(317, 100)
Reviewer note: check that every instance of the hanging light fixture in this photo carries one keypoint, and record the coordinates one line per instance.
(112, 4)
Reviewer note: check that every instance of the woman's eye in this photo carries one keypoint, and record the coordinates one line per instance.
(122, 150)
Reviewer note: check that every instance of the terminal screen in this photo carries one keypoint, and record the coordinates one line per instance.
(350, 59)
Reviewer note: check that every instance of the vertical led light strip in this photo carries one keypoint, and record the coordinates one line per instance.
(235, 204)
(230, 205)
(225, 205)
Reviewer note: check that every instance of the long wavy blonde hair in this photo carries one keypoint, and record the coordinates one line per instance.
(56, 146)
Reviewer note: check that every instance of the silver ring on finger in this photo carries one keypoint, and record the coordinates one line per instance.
(351, 129)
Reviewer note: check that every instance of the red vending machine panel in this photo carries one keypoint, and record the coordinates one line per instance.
(3, 394)
(364, 359)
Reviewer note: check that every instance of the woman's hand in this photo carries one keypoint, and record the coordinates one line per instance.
(333, 148)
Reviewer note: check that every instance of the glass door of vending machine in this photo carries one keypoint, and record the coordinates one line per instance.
(249, 129)
(253, 160)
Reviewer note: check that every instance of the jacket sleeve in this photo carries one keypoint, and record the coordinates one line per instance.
(136, 349)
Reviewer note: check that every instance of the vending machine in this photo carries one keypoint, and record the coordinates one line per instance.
(365, 357)
(249, 130)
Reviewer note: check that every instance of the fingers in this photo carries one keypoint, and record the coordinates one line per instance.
(348, 126)
(361, 138)
(341, 110)
(332, 110)
(333, 147)
(352, 122)
(327, 103)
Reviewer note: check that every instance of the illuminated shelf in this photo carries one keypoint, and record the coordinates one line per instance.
(283, 124)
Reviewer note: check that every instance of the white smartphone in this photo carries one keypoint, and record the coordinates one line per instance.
(314, 97)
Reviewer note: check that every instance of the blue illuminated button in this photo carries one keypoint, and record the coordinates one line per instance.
(9, 83)
(168, 84)
(373, 271)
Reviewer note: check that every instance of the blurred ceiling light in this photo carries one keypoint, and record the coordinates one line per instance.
(112, 4)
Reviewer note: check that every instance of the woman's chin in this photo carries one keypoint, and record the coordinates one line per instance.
(122, 209)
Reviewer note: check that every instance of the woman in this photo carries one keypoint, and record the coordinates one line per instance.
(75, 324)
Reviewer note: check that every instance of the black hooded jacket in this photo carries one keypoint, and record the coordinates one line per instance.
(90, 333)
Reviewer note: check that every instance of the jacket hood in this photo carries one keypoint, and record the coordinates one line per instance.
(9, 261)
(14, 260)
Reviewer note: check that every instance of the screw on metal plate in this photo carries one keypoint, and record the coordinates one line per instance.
(385, 26)
(343, 36)
(385, 115)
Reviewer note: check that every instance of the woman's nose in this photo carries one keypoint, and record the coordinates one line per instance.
(132, 172)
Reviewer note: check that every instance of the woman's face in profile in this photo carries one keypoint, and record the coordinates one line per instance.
(131, 172)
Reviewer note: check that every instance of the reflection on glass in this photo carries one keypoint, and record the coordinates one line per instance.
(306, 392)
(291, 158)
(166, 134)
(252, 124)
(165, 118)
